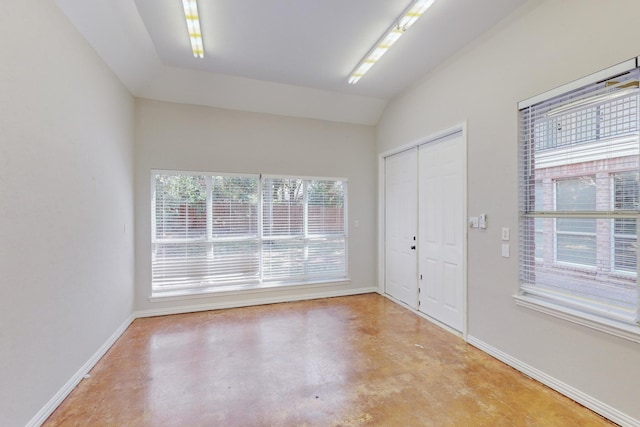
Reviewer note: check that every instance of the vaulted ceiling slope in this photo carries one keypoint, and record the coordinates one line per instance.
(287, 57)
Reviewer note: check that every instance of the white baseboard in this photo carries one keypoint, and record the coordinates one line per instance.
(582, 398)
(252, 301)
(57, 399)
(425, 316)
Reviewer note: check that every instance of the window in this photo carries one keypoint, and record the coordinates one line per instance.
(212, 231)
(579, 193)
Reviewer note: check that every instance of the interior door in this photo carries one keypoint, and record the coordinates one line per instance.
(442, 225)
(401, 194)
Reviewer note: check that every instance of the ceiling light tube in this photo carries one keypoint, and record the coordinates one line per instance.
(193, 26)
(410, 15)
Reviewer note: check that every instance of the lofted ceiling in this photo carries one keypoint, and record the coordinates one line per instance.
(290, 57)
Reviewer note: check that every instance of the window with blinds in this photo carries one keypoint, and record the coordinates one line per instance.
(225, 230)
(579, 197)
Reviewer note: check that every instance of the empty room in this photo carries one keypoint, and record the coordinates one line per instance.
(319, 213)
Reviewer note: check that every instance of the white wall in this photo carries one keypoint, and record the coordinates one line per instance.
(543, 45)
(66, 205)
(195, 138)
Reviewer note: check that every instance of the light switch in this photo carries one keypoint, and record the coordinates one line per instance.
(505, 250)
(505, 234)
(356, 223)
(482, 223)
(473, 222)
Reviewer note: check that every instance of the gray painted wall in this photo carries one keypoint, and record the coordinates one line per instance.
(195, 138)
(543, 45)
(66, 205)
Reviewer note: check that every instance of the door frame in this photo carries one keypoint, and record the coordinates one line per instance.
(460, 128)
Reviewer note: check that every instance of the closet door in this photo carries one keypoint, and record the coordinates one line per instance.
(401, 179)
(442, 225)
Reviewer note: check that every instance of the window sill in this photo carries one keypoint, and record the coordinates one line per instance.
(183, 294)
(612, 327)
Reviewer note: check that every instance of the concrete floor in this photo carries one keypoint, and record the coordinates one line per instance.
(351, 361)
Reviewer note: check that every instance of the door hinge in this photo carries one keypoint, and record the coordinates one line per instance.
(421, 277)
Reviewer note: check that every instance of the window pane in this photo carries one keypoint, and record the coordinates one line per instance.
(626, 191)
(326, 207)
(234, 206)
(539, 241)
(624, 226)
(539, 196)
(178, 263)
(201, 263)
(283, 209)
(180, 204)
(619, 116)
(576, 225)
(625, 229)
(327, 257)
(625, 254)
(576, 194)
(576, 249)
(235, 260)
(567, 129)
(283, 259)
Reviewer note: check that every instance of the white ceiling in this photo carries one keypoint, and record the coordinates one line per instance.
(289, 57)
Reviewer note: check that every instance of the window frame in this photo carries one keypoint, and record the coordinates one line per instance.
(244, 284)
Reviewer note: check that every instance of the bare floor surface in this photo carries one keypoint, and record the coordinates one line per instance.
(350, 361)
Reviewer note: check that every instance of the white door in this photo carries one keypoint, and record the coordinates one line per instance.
(401, 193)
(442, 225)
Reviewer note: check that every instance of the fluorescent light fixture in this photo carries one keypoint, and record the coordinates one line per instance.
(193, 25)
(411, 14)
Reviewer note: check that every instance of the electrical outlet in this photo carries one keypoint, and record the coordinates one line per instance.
(505, 234)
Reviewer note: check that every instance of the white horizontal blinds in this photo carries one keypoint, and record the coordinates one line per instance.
(283, 228)
(234, 244)
(303, 229)
(576, 237)
(217, 230)
(180, 229)
(204, 230)
(326, 207)
(579, 197)
(283, 211)
(326, 228)
(234, 206)
(626, 193)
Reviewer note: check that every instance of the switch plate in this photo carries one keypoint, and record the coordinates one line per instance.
(356, 223)
(473, 222)
(505, 250)
(482, 223)
(505, 234)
